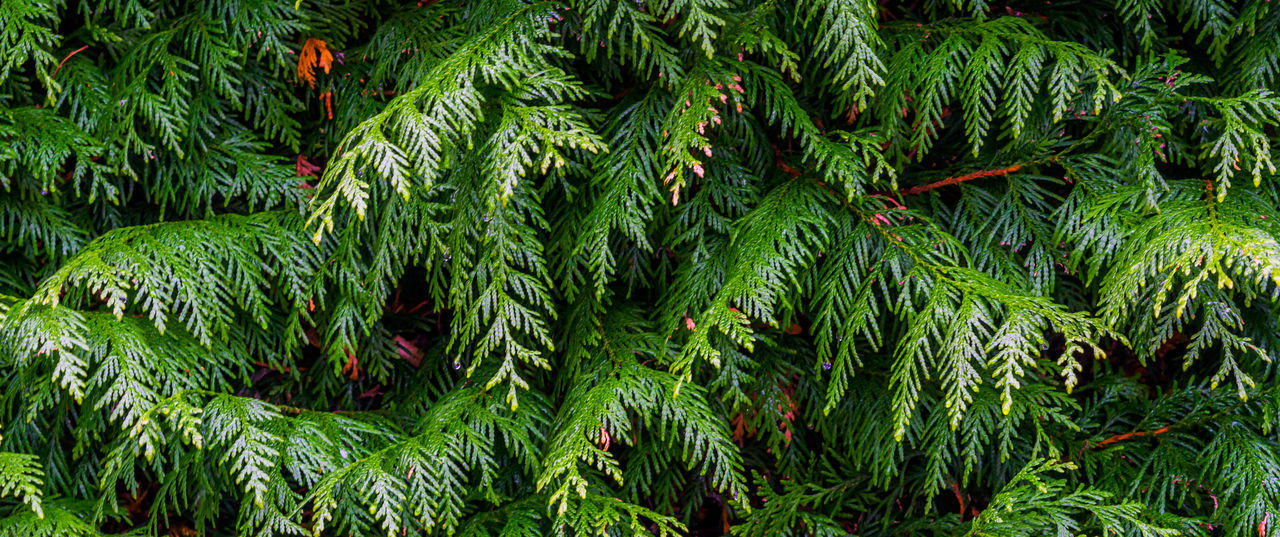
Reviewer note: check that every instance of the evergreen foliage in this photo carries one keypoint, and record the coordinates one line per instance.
(662, 267)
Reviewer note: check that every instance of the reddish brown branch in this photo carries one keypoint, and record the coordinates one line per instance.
(958, 179)
(945, 182)
(1135, 434)
(64, 60)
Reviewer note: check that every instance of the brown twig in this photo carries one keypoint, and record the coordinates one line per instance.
(958, 179)
(1134, 434)
(955, 488)
(1209, 418)
(64, 60)
(945, 182)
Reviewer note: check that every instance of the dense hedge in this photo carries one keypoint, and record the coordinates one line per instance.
(671, 267)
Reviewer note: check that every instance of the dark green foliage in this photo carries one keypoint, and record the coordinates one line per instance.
(668, 267)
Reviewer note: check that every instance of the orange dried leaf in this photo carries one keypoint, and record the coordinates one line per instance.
(314, 53)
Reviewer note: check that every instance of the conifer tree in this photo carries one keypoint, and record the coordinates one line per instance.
(659, 267)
